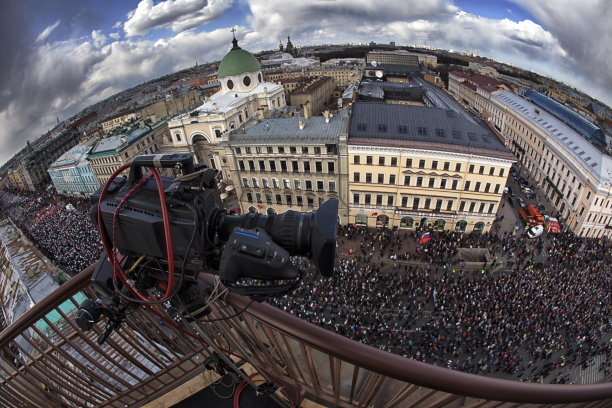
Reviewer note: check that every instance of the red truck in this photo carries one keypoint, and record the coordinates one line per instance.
(531, 216)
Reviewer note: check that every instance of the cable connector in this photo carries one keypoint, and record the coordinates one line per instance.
(215, 363)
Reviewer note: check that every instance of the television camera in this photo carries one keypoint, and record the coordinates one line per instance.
(153, 226)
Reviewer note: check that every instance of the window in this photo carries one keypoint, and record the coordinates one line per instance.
(379, 199)
(422, 130)
(241, 165)
(408, 162)
(310, 201)
(330, 167)
(255, 182)
(268, 198)
(304, 150)
(297, 184)
(466, 187)
(477, 188)
(275, 183)
(355, 198)
(443, 183)
(381, 178)
(390, 201)
(456, 134)
(446, 166)
(249, 197)
(482, 207)
(356, 159)
(294, 166)
(289, 200)
(458, 167)
(501, 172)
(481, 170)
(272, 164)
(281, 149)
(258, 197)
(427, 203)
(454, 186)
(415, 203)
(421, 164)
(362, 127)
(246, 80)
(238, 151)
(472, 205)
(292, 150)
(369, 159)
(299, 200)
(461, 206)
(245, 182)
(492, 171)
(382, 127)
(392, 179)
(472, 136)
(404, 201)
(419, 182)
(368, 178)
(269, 149)
(402, 129)
(491, 207)
(264, 182)
(487, 187)
(262, 165)
(317, 149)
(406, 180)
(308, 184)
(319, 167)
(381, 161)
(257, 148)
(394, 161)
(247, 150)
(497, 187)
(434, 165)
(332, 186)
(471, 168)
(356, 177)
(440, 133)
(279, 199)
(449, 205)
(286, 184)
(306, 167)
(368, 199)
(432, 182)
(319, 185)
(283, 164)
(438, 205)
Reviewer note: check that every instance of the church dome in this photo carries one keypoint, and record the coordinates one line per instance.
(237, 62)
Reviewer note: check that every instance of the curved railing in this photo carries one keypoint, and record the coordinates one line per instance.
(62, 366)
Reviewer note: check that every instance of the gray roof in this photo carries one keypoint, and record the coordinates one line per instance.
(287, 131)
(421, 127)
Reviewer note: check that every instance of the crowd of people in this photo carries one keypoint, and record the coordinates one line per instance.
(529, 320)
(539, 308)
(59, 226)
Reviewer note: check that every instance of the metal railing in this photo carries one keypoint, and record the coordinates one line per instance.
(48, 362)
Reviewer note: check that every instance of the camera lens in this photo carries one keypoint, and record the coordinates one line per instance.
(88, 315)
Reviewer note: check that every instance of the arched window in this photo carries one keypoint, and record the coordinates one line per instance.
(479, 227)
(407, 222)
(178, 137)
(230, 84)
(382, 221)
(246, 80)
(271, 211)
(439, 225)
(361, 219)
(252, 210)
(461, 225)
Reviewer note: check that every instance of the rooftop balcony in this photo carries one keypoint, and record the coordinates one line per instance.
(46, 361)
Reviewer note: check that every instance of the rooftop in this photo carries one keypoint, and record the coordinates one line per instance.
(422, 127)
(287, 131)
(592, 158)
(75, 156)
(311, 87)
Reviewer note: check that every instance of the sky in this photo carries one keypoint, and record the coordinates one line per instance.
(61, 56)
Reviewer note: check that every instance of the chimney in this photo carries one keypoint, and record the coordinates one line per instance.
(215, 107)
(326, 114)
(306, 111)
(301, 124)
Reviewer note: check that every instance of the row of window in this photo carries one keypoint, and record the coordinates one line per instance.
(283, 166)
(423, 131)
(330, 149)
(420, 182)
(297, 184)
(284, 199)
(420, 203)
(434, 165)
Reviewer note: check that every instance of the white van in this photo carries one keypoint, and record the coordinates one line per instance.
(535, 231)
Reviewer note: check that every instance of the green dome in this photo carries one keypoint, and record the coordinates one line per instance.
(237, 62)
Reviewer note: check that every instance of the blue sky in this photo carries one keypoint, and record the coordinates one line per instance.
(63, 55)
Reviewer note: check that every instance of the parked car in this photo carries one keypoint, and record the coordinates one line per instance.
(535, 231)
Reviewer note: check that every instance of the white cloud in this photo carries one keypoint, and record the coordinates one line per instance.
(179, 15)
(115, 36)
(99, 39)
(47, 32)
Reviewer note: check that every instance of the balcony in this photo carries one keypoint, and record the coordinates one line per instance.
(48, 362)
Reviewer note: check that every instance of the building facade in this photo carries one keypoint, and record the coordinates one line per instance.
(109, 153)
(313, 94)
(243, 97)
(415, 167)
(401, 57)
(72, 174)
(473, 90)
(289, 163)
(118, 120)
(573, 173)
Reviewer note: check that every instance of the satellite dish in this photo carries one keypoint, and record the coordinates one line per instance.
(379, 74)
(374, 63)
